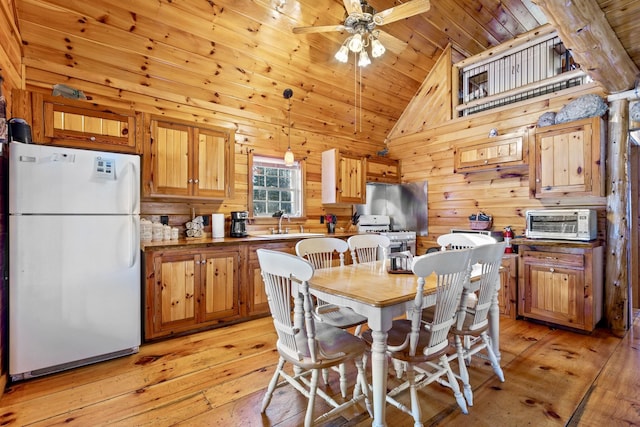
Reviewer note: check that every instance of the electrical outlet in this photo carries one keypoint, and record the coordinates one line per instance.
(164, 219)
(321, 219)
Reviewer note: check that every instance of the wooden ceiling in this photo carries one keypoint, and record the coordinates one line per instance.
(237, 56)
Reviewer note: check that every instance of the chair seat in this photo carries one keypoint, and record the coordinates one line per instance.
(396, 336)
(340, 317)
(337, 344)
(466, 328)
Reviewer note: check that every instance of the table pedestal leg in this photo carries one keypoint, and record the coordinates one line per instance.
(379, 376)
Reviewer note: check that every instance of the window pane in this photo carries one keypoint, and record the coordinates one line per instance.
(278, 185)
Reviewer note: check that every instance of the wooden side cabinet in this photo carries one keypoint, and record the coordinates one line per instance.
(79, 124)
(343, 178)
(256, 298)
(189, 290)
(508, 285)
(499, 152)
(382, 169)
(569, 159)
(561, 283)
(187, 161)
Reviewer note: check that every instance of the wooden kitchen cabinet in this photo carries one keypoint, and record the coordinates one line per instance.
(343, 178)
(189, 290)
(256, 298)
(490, 153)
(382, 169)
(569, 159)
(508, 285)
(561, 283)
(79, 124)
(188, 161)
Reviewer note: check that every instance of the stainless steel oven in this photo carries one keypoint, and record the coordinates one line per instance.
(401, 240)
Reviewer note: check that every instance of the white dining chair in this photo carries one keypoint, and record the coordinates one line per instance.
(308, 346)
(463, 240)
(422, 347)
(366, 247)
(471, 328)
(320, 253)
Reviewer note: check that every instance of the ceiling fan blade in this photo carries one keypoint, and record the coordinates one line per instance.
(390, 42)
(319, 29)
(405, 10)
(352, 6)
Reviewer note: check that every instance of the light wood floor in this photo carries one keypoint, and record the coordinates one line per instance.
(553, 378)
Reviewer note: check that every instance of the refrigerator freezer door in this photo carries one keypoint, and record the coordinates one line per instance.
(53, 180)
(74, 289)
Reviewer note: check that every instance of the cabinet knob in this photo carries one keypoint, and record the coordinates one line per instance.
(93, 138)
(196, 181)
(486, 161)
(552, 269)
(190, 181)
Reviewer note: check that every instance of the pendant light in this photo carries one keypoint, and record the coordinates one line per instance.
(288, 155)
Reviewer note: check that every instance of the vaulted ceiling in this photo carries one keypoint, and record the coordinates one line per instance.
(237, 56)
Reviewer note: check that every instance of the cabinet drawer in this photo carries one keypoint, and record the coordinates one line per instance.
(553, 259)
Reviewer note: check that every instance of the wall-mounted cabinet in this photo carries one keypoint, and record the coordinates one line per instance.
(343, 178)
(382, 169)
(79, 124)
(188, 290)
(561, 283)
(187, 161)
(489, 153)
(569, 159)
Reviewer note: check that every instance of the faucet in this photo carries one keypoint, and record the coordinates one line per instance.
(284, 215)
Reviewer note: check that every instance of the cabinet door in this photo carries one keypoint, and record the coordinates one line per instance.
(212, 152)
(383, 170)
(490, 153)
(174, 302)
(352, 180)
(219, 285)
(171, 171)
(257, 302)
(568, 159)
(554, 288)
(81, 124)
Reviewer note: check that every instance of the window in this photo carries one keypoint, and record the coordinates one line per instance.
(276, 187)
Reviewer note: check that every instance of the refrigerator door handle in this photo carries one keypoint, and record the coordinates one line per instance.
(134, 190)
(134, 234)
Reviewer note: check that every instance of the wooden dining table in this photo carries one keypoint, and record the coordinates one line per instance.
(379, 295)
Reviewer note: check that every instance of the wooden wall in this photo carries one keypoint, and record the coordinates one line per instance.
(429, 155)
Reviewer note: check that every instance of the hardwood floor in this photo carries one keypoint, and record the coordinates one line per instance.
(553, 378)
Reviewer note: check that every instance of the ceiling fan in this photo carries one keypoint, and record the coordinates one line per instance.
(361, 22)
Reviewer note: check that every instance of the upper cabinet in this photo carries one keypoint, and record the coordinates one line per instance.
(382, 169)
(343, 178)
(569, 159)
(188, 161)
(489, 153)
(80, 124)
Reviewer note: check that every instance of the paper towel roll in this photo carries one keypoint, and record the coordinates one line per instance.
(217, 225)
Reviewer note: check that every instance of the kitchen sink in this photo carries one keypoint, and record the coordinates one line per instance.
(288, 235)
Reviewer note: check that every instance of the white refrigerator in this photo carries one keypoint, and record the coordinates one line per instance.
(74, 258)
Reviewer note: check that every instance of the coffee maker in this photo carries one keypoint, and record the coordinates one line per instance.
(239, 223)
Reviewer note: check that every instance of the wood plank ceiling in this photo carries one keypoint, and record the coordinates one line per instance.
(237, 56)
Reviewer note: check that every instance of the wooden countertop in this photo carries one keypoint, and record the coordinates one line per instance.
(186, 243)
(556, 243)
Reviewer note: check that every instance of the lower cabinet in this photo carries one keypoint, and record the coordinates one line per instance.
(188, 290)
(508, 285)
(562, 283)
(256, 297)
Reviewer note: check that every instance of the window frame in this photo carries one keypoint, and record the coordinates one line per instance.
(303, 198)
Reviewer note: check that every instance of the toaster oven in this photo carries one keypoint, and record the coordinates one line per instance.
(562, 224)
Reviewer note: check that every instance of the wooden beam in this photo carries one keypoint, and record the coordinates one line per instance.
(616, 275)
(584, 30)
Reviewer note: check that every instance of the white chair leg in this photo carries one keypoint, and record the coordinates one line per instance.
(492, 356)
(272, 385)
(362, 386)
(343, 380)
(463, 372)
(454, 384)
(325, 376)
(308, 418)
(415, 402)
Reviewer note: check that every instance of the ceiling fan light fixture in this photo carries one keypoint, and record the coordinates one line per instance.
(364, 60)
(377, 49)
(342, 55)
(356, 44)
